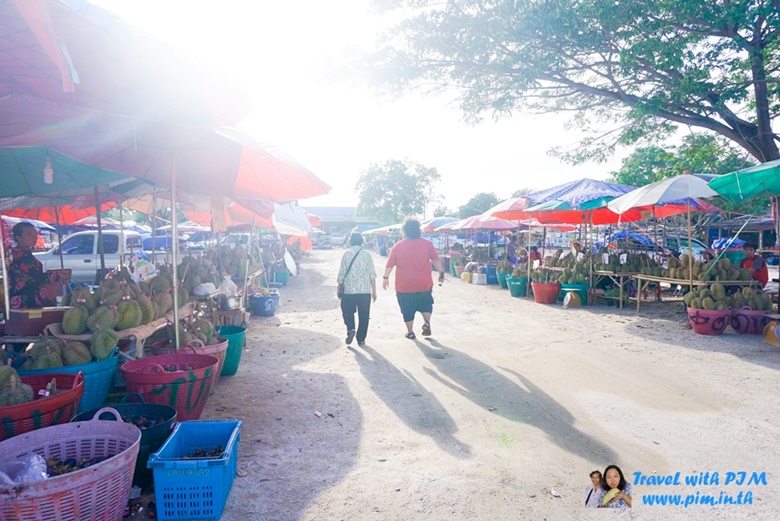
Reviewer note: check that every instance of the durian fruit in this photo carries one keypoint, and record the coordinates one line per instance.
(203, 326)
(103, 344)
(609, 495)
(112, 297)
(103, 319)
(718, 291)
(708, 303)
(148, 312)
(6, 373)
(82, 297)
(130, 315)
(688, 298)
(164, 301)
(43, 346)
(696, 303)
(17, 393)
(76, 353)
(74, 322)
(49, 360)
(212, 340)
(161, 283)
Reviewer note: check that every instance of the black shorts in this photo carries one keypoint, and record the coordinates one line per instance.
(411, 303)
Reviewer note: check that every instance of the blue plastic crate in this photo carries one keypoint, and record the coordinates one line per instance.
(195, 488)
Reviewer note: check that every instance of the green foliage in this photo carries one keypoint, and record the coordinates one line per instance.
(630, 72)
(394, 189)
(699, 153)
(441, 211)
(521, 192)
(478, 204)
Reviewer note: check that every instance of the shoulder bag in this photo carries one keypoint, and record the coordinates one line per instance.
(340, 290)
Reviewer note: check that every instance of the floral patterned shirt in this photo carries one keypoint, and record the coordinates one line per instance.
(26, 280)
(361, 274)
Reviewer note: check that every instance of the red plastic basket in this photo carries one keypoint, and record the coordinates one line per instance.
(46, 411)
(217, 350)
(709, 321)
(748, 321)
(186, 389)
(546, 292)
(99, 492)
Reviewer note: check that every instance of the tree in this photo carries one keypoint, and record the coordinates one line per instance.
(441, 211)
(478, 204)
(699, 153)
(394, 189)
(521, 192)
(638, 68)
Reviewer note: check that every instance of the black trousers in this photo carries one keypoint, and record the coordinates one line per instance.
(361, 303)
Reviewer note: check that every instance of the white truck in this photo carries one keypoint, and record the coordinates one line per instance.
(80, 253)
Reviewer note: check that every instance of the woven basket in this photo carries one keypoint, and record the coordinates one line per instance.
(185, 389)
(198, 347)
(99, 492)
(43, 412)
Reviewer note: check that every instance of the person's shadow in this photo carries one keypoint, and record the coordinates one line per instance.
(410, 401)
(491, 390)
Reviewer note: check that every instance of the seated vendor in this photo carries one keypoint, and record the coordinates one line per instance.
(26, 279)
(755, 264)
(576, 248)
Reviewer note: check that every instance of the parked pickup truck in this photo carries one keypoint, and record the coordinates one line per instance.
(80, 253)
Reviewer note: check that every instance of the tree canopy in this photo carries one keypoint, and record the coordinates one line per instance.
(478, 204)
(630, 72)
(394, 189)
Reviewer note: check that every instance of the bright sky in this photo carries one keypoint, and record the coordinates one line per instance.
(285, 53)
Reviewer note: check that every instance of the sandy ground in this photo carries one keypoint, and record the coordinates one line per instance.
(506, 402)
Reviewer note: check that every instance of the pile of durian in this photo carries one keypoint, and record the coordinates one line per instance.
(51, 352)
(715, 297)
(12, 390)
(720, 270)
(545, 275)
(233, 260)
(201, 329)
(193, 271)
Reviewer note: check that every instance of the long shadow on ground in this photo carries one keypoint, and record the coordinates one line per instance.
(489, 389)
(410, 401)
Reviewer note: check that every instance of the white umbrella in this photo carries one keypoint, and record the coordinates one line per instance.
(679, 189)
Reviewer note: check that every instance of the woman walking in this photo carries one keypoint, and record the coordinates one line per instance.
(413, 282)
(357, 288)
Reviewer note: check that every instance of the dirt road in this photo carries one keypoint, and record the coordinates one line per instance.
(507, 405)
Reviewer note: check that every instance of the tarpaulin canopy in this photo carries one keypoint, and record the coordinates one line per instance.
(478, 222)
(75, 52)
(385, 230)
(429, 225)
(584, 194)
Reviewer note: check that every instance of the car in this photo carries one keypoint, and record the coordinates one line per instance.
(337, 239)
(80, 253)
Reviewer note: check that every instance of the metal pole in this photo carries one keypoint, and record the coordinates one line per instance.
(121, 238)
(6, 296)
(59, 235)
(154, 227)
(175, 241)
(690, 246)
(101, 249)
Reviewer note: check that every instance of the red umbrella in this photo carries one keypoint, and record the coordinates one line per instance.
(66, 214)
(206, 160)
(75, 52)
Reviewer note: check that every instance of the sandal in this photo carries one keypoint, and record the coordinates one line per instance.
(410, 335)
(426, 329)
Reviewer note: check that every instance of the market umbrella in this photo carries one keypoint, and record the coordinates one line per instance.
(429, 225)
(763, 179)
(677, 190)
(50, 210)
(75, 52)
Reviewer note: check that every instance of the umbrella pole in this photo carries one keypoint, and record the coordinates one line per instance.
(101, 250)
(175, 242)
(6, 296)
(690, 246)
(59, 235)
(590, 256)
(121, 238)
(248, 256)
(154, 227)
(777, 220)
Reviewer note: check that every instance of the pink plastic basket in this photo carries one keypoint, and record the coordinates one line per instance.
(99, 492)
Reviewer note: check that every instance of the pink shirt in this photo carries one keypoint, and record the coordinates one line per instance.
(412, 260)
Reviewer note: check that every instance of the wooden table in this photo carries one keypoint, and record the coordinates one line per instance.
(618, 278)
(643, 281)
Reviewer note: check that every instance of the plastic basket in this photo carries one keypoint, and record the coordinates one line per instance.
(281, 277)
(98, 492)
(709, 321)
(43, 412)
(490, 271)
(546, 292)
(262, 306)
(236, 337)
(517, 287)
(747, 321)
(98, 378)
(186, 389)
(187, 488)
(217, 350)
(151, 439)
(501, 277)
(580, 289)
